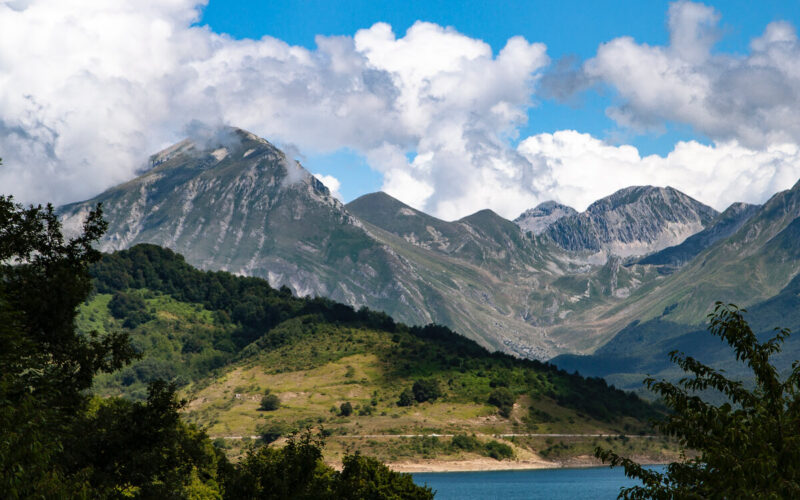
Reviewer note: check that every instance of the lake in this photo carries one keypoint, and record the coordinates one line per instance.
(596, 483)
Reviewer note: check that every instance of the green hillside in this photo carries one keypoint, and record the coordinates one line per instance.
(227, 340)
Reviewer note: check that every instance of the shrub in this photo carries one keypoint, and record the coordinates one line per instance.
(426, 390)
(466, 443)
(503, 399)
(270, 402)
(272, 431)
(498, 451)
(406, 398)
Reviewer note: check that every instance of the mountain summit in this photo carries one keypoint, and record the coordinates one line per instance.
(633, 221)
(235, 202)
(536, 220)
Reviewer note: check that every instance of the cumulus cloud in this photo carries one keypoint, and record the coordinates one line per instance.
(90, 88)
(752, 98)
(584, 169)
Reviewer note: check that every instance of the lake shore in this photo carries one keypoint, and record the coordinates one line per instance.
(489, 464)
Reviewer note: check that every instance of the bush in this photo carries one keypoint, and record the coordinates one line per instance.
(498, 451)
(346, 409)
(270, 402)
(272, 431)
(130, 308)
(406, 398)
(426, 390)
(466, 443)
(503, 399)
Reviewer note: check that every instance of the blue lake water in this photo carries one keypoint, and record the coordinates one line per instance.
(595, 483)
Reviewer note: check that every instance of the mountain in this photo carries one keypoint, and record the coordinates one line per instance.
(642, 348)
(539, 218)
(234, 202)
(755, 267)
(480, 238)
(723, 226)
(754, 263)
(239, 204)
(633, 221)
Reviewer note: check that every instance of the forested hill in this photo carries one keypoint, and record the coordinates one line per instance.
(201, 328)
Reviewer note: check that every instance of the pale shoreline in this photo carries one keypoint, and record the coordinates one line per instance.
(489, 464)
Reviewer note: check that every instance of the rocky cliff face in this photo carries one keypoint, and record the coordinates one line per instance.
(724, 225)
(536, 220)
(633, 221)
(239, 204)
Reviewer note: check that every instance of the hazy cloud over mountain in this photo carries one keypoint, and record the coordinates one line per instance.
(89, 88)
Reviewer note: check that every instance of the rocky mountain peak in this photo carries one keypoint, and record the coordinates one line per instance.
(637, 220)
(536, 220)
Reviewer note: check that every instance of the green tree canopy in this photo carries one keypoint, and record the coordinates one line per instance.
(748, 446)
(426, 390)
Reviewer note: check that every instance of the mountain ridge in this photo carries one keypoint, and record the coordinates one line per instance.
(239, 204)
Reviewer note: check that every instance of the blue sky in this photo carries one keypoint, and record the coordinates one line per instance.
(568, 28)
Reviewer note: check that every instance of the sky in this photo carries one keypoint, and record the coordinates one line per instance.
(450, 106)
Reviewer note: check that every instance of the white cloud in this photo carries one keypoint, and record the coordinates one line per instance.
(752, 98)
(332, 183)
(90, 88)
(584, 169)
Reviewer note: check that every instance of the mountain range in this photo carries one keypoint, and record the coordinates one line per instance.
(552, 282)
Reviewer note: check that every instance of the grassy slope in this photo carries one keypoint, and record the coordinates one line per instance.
(314, 364)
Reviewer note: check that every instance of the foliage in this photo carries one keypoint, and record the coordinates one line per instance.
(366, 478)
(130, 308)
(346, 409)
(270, 402)
(297, 471)
(749, 446)
(142, 449)
(499, 451)
(273, 430)
(466, 443)
(426, 390)
(503, 399)
(45, 365)
(406, 397)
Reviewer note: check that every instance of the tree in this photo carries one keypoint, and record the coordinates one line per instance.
(426, 390)
(45, 364)
(406, 397)
(346, 409)
(297, 471)
(749, 446)
(367, 478)
(269, 402)
(503, 399)
(56, 441)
